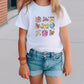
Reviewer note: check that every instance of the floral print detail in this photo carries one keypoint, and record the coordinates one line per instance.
(52, 25)
(44, 33)
(38, 32)
(52, 19)
(38, 19)
(51, 32)
(45, 19)
(37, 26)
(44, 25)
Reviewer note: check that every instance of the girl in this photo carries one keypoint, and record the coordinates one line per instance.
(43, 37)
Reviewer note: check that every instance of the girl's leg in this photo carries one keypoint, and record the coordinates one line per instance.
(53, 80)
(36, 79)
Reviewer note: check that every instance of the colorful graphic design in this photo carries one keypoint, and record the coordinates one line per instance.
(44, 25)
(51, 32)
(45, 19)
(52, 19)
(52, 25)
(38, 19)
(44, 33)
(38, 32)
(37, 26)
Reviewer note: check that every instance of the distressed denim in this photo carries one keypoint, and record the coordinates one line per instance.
(49, 63)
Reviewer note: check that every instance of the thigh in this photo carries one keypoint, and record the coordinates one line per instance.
(54, 80)
(36, 79)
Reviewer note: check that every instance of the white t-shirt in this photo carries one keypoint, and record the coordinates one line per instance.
(43, 27)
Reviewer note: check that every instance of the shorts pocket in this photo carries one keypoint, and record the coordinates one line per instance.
(29, 56)
(57, 57)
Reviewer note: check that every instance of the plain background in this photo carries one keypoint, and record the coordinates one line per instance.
(9, 64)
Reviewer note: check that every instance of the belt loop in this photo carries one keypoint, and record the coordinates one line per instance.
(51, 54)
(36, 53)
(31, 52)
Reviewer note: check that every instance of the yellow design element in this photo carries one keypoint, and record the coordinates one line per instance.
(41, 26)
(44, 25)
(38, 32)
(51, 19)
(36, 28)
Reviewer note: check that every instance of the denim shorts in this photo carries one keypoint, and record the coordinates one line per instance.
(49, 63)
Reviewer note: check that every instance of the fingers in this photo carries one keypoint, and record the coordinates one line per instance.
(24, 75)
(67, 73)
(64, 71)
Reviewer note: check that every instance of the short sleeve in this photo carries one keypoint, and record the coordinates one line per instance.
(22, 20)
(65, 20)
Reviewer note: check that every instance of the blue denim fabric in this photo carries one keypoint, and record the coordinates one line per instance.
(49, 63)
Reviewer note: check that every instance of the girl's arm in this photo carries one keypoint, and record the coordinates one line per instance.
(23, 70)
(22, 44)
(67, 49)
(66, 43)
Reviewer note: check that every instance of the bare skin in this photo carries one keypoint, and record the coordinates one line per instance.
(36, 79)
(24, 69)
(54, 80)
(67, 51)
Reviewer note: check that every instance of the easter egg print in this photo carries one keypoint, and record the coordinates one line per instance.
(52, 25)
(43, 25)
(44, 33)
(38, 19)
(38, 32)
(37, 25)
(51, 32)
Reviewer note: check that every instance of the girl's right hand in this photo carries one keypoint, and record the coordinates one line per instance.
(24, 71)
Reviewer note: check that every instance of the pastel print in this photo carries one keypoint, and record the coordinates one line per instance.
(51, 32)
(44, 33)
(52, 19)
(38, 19)
(45, 19)
(37, 26)
(38, 32)
(52, 25)
(46, 25)
(42, 26)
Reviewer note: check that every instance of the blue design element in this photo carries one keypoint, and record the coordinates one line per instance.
(52, 25)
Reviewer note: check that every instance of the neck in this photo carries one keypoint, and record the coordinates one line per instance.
(42, 2)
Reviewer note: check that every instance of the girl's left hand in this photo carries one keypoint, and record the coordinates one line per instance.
(67, 68)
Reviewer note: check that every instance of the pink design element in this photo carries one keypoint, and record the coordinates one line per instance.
(38, 19)
(44, 33)
(37, 26)
(45, 19)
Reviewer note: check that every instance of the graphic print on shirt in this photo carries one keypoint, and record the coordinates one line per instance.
(44, 26)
